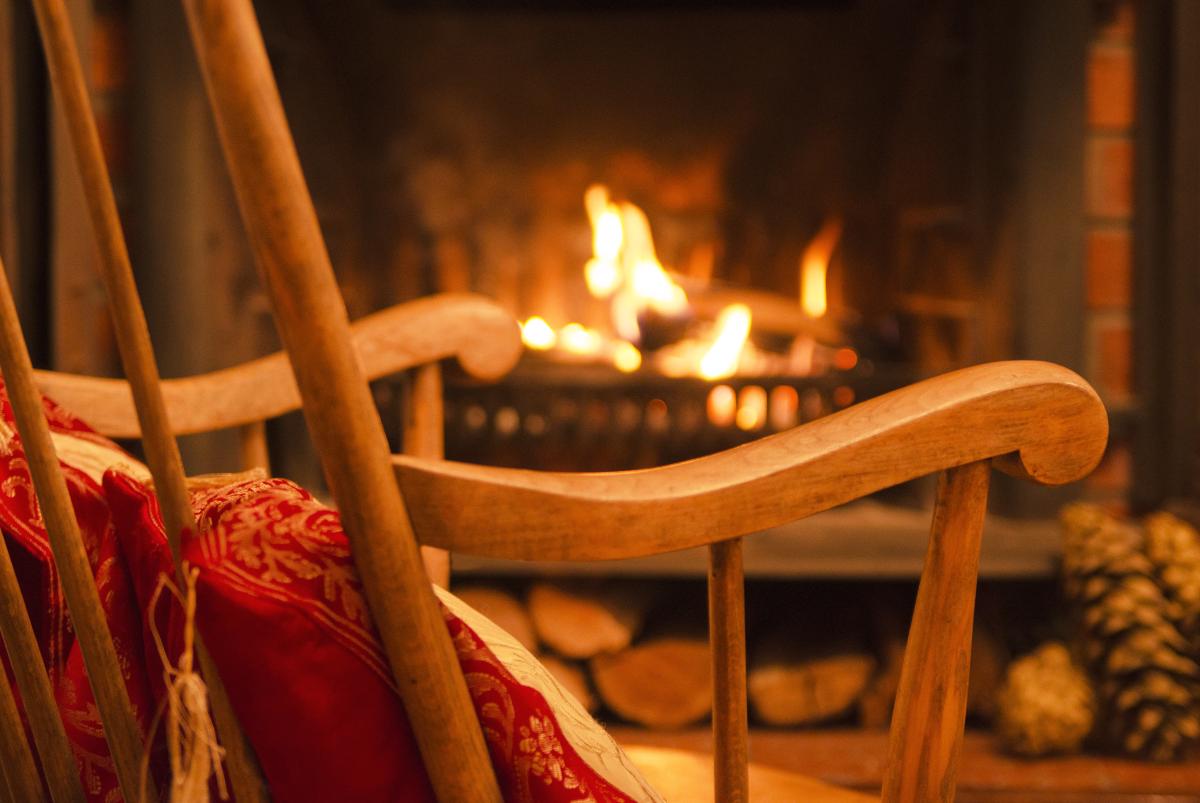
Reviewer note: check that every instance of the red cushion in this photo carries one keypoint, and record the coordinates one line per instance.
(282, 613)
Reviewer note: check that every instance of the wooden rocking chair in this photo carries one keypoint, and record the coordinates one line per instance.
(1034, 420)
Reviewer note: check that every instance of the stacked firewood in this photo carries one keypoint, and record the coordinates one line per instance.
(639, 652)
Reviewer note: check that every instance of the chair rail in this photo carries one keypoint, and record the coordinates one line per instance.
(475, 330)
(1045, 421)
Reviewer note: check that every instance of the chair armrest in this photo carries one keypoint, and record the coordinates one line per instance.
(475, 330)
(1044, 421)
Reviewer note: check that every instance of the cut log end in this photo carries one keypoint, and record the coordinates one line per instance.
(660, 683)
(586, 621)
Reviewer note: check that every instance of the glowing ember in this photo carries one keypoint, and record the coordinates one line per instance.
(733, 328)
(722, 405)
(844, 359)
(537, 334)
(785, 407)
(814, 266)
(626, 357)
(752, 408)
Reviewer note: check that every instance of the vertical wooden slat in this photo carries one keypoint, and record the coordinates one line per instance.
(252, 446)
(18, 770)
(79, 587)
(931, 703)
(424, 436)
(137, 358)
(338, 406)
(62, 774)
(727, 636)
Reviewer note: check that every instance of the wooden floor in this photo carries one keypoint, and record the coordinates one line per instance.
(855, 759)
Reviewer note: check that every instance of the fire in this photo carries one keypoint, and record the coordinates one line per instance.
(578, 339)
(654, 287)
(733, 329)
(814, 266)
(537, 334)
(624, 265)
(626, 357)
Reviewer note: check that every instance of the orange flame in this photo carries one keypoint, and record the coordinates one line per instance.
(814, 265)
(624, 263)
(733, 328)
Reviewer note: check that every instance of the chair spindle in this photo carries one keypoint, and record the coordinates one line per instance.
(125, 739)
(252, 446)
(424, 436)
(346, 428)
(18, 770)
(727, 637)
(931, 703)
(137, 355)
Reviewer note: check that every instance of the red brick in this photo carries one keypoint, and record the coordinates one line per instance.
(1109, 268)
(1109, 176)
(1110, 87)
(1113, 359)
(1115, 470)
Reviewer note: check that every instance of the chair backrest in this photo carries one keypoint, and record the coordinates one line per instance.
(343, 421)
(389, 341)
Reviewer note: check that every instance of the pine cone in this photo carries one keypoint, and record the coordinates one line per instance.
(1046, 704)
(1173, 547)
(1147, 680)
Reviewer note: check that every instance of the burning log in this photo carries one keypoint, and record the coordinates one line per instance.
(663, 682)
(793, 684)
(771, 312)
(582, 622)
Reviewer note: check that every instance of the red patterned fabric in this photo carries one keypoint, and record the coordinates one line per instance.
(282, 612)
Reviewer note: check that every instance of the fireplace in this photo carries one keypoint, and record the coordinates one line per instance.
(962, 202)
(964, 174)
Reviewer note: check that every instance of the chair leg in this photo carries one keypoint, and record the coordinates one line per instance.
(727, 637)
(927, 724)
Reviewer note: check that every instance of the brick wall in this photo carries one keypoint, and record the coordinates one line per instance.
(1108, 254)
